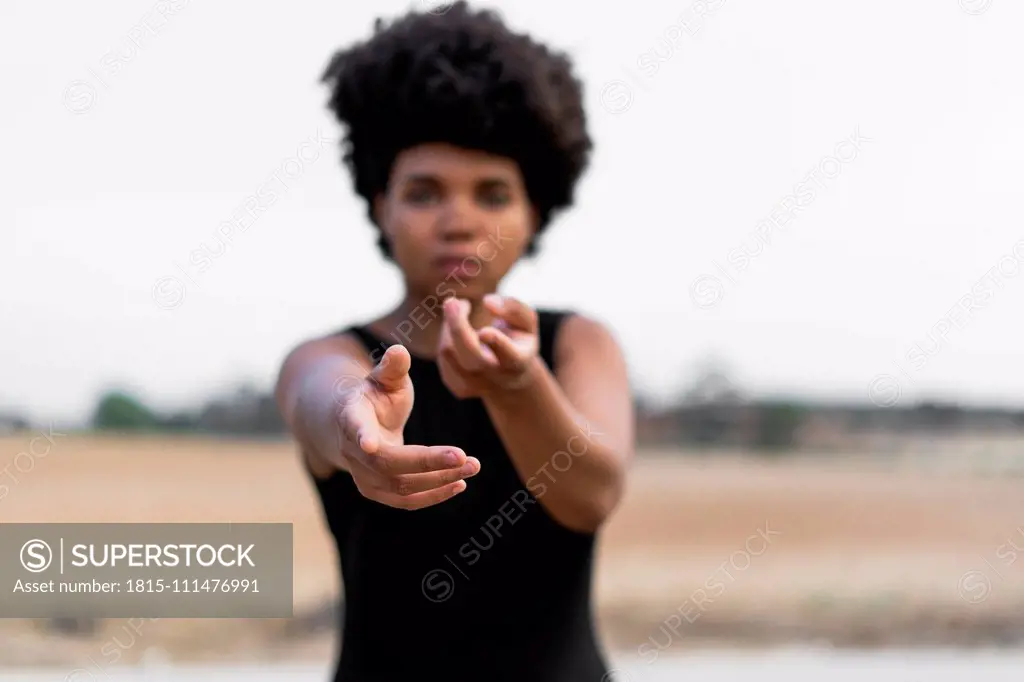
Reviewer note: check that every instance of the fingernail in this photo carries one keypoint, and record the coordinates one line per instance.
(494, 299)
(452, 458)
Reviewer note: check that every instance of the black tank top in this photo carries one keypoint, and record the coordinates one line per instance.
(484, 587)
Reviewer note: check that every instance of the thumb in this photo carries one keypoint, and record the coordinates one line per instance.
(393, 369)
(512, 311)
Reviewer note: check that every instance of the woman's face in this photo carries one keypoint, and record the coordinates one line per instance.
(457, 220)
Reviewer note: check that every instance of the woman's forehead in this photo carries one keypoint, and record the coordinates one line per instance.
(451, 162)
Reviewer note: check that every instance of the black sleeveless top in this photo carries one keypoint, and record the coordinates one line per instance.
(484, 587)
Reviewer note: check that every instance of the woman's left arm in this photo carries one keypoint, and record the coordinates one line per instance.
(571, 435)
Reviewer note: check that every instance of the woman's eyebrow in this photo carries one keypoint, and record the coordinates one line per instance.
(420, 177)
(494, 180)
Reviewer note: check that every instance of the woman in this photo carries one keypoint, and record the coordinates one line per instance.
(466, 448)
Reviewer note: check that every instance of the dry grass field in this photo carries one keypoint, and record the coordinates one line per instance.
(741, 551)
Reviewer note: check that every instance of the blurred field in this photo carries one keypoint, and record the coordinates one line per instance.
(859, 551)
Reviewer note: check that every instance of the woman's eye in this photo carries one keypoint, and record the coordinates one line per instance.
(496, 198)
(421, 195)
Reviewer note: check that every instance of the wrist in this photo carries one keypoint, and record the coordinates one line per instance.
(518, 388)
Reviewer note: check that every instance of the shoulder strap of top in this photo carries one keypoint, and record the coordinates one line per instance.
(549, 323)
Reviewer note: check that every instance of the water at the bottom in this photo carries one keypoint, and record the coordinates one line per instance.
(718, 666)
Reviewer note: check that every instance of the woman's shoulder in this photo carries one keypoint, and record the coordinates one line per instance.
(554, 320)
(337, 342)
(563, 331)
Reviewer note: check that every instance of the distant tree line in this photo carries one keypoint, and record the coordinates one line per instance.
(246, 411)
(711, 412)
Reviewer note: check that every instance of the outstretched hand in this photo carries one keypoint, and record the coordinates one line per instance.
(497, 357)
(371, 418)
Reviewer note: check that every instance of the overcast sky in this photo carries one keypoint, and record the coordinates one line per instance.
(884, 139)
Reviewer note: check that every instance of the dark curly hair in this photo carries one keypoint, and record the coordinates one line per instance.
(460, 76)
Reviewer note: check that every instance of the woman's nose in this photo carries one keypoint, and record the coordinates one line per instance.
(459, 221)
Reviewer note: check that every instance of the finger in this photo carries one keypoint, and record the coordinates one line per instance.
(422, 500)
(513, 311)
(394, 460)
(461, 335)
(410, 484)
(359, 426)
(483, 351)
(465, 347)
(507, 352)
(393, 369)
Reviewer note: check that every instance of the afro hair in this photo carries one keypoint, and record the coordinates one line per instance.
(461, 77)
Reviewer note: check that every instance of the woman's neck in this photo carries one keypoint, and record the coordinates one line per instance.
(417, 321)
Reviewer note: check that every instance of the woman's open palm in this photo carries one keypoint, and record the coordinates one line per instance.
(371, 419)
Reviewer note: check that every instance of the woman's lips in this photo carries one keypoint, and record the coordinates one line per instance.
(468, 266)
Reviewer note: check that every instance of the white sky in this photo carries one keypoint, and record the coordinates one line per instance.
(107, 187)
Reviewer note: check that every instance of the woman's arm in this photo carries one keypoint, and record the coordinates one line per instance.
(308, 392)
(571, 435)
